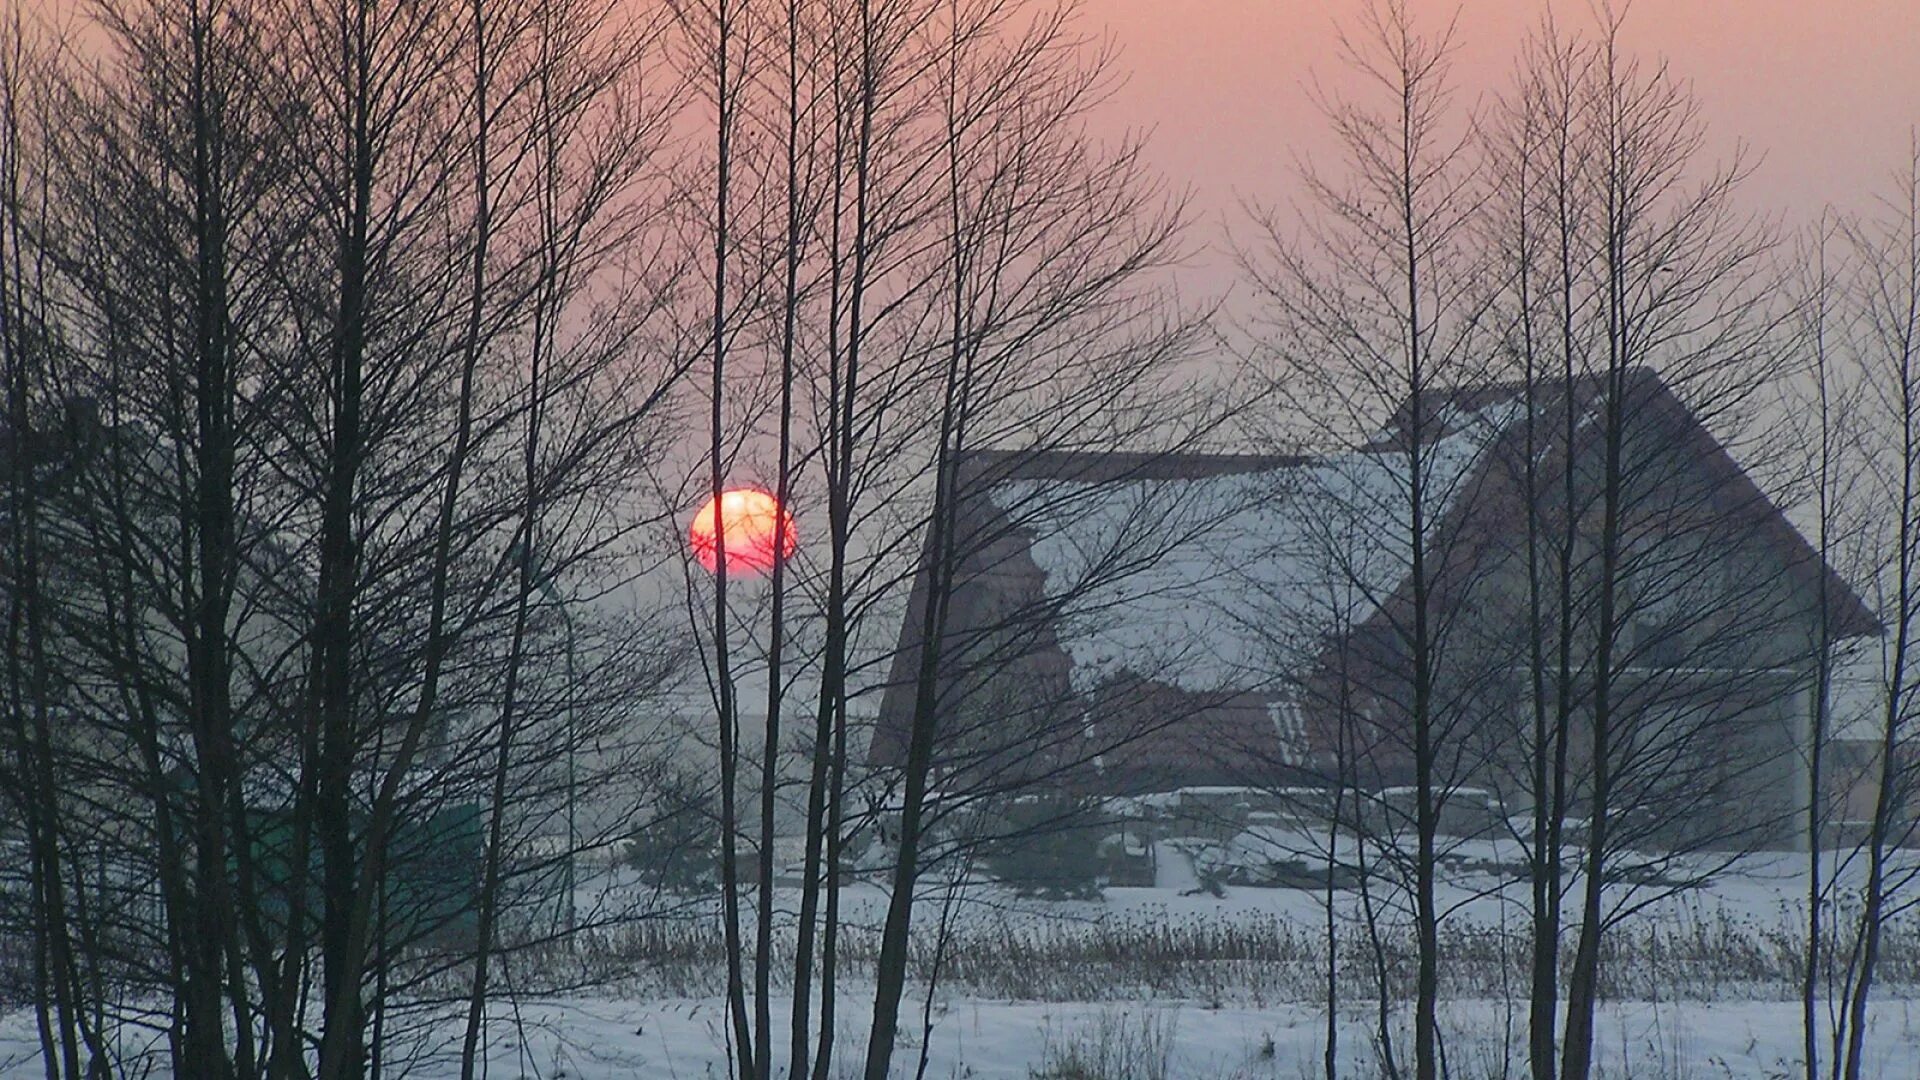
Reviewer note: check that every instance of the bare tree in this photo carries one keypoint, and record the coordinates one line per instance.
(1374, 311)
(170, 319)
(1886, 302)
(1498, 297)
(1538, 144)
(1824, 406)
(1045, 341)
(32, 766)
(1648, 663)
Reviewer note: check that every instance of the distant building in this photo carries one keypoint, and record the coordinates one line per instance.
(1124, 624)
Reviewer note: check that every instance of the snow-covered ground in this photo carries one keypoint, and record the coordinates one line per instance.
(674, 1040)
(1214, 1018)
(680, 1039)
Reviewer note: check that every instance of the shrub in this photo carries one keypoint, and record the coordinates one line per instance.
(1050, 848)
(1118, 1046)
(680, 849)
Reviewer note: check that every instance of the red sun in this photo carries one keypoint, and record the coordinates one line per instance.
(751, 522)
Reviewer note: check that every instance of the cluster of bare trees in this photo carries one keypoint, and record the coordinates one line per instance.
(1859, 289)
(353, 371)
(1630, 659)
(920, 256)
(333, 341)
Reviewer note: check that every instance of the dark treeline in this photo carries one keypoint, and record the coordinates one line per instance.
(331, 342)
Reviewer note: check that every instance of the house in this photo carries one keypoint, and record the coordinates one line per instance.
(1121, 624)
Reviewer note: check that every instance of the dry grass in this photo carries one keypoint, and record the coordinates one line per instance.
(1117, 1046)
(1223, 959)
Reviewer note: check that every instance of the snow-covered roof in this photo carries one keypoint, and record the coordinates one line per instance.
(1210, 588)
(1237, 576)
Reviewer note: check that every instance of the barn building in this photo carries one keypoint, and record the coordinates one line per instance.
(1129, 624)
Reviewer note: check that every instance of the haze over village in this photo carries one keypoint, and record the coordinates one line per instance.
(1045, 539)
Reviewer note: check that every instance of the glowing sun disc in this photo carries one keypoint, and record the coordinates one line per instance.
(750, 522)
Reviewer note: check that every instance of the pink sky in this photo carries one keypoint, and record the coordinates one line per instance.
(1826, 90)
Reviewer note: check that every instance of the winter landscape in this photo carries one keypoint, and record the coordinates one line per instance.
(1046, 539)
(1170, 981)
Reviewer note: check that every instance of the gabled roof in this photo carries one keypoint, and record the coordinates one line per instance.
(1223, 575)
(1650, 409)
(1234, 563)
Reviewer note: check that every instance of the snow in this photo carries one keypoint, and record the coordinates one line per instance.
(604, 1039)
(1219, 1028)
(1220, 582)
(598, 1039)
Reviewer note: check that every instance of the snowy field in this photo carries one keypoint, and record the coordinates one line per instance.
(600, 1039)
(1153, 983)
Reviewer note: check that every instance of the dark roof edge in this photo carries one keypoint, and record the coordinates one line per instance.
(1115, 466)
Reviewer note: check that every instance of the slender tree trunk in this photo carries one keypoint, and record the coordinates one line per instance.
(531, 569)
(826, 809)
(770, 752)
(745, 1048)
(342, 1051)
(1823, 665)
(1583, 982)
(221, 809)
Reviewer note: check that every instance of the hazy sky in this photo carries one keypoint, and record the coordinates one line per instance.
(1824, 90)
